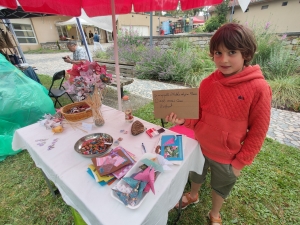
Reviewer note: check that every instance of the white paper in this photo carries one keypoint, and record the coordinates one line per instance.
(87, 126)
(42, 122)
(166, 168)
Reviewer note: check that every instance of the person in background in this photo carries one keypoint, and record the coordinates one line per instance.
(171, 27)
(79, 53)
(91, 34)
(97, 44)
(234, 115)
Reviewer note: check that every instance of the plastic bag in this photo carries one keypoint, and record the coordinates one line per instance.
(6, 138)
(23, 101)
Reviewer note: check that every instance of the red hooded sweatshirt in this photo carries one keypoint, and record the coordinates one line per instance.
(234, 116)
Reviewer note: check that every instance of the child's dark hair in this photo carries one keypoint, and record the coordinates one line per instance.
(234, 37)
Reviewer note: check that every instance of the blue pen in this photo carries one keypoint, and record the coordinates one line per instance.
(144, 147)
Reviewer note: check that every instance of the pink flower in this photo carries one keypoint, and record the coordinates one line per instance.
(84, 78)
(84, 67)
(100, 69)
(268, 24)
(69, 87)
(109, 75)
(283, 36)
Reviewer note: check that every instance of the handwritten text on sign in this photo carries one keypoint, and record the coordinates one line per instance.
(183, 102)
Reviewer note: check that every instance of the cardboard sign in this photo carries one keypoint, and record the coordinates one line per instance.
(183, 102)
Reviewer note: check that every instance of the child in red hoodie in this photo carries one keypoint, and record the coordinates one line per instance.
(234, 115)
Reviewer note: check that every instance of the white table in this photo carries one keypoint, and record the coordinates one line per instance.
(68, 171)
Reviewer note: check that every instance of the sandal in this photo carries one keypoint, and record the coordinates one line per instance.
(189, 200)
(213, 220)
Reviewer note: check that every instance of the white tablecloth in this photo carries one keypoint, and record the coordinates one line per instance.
(68, 170)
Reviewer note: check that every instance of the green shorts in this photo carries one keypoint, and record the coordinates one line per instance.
(222, 177)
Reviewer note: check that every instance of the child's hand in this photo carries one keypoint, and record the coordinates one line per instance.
(236, 172)
(172, 117)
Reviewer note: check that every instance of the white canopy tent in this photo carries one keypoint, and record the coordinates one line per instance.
(73, 22)
(103, 22)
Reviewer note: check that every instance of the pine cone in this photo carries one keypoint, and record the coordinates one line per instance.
(137, 128)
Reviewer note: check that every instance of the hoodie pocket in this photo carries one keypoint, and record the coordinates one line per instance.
(212, 138)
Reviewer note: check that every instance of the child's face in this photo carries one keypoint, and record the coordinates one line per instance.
(229, 62)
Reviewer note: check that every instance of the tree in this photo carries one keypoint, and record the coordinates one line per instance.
(175, 12)
(193, 12)
(222, 11)
(215, 22)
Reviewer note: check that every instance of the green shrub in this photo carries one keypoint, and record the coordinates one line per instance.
(281, 63)
(182, 44)
(183, 62)
(267, 41)
(130, 46)
(202, 66)
(129, 37)
(211, 24)
(199, 29)
(286, 92)
(127, 53)
(101, 55)
(151, 63)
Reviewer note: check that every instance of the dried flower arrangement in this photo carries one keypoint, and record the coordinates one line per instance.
(95, 102)
(85, 77)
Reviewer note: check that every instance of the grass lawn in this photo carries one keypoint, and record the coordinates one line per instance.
(266, 193)
(46, 81)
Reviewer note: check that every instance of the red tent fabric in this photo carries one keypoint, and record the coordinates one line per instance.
(196, 20)
(103, 7)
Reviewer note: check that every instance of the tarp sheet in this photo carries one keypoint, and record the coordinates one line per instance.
(23, 101)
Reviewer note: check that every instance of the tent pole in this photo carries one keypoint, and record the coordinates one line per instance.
(117, 70)
(232, 11)
(84, 39)
(11, 28)
(76, 27)
(151, 29)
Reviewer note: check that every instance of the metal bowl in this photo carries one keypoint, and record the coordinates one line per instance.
(89, 154)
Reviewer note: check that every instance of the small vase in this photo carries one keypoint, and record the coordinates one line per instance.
(97, 117)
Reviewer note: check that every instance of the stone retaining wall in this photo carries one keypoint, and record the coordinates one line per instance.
(292, 40)
(165, 41)
(54, 45)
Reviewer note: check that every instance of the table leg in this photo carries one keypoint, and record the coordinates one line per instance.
(53, 192)
(178, 211)
(122, 92)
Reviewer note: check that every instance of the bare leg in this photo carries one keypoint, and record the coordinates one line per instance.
(194, 191)
(217, 202)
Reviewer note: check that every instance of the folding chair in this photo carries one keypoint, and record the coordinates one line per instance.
(57, 93)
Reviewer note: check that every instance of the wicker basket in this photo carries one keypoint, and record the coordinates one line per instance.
(76, 116)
